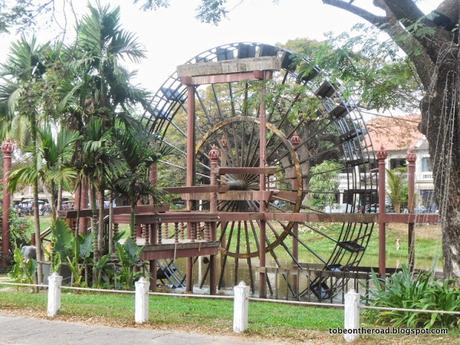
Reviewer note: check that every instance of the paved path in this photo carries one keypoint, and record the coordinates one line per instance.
(19, 330)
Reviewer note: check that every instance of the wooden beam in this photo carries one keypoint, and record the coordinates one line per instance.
(264, 63)
(231, 195)
(169, 217)
(198, 189)
(223, 78)
(323, 217)
(247, 170)
(285, 195)
(87, 212)
(234, 216)
(407, 218)
(171, 250)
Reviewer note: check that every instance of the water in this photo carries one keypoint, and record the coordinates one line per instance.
(278, 280)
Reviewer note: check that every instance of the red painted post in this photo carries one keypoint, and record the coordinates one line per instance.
(411, 158)
(153, 178)
(214, 157)
(382, 155)
(295, 141)
(7, 150)
(262, 207)
(190, 176)
(152, 263)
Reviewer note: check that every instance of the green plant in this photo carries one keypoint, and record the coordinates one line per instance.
(324, 184)
(20, 230)
(56, 262)
(397, 188)
(414, 291)
(104, 271)
(129, 256)
(62, 240)
(23, 270)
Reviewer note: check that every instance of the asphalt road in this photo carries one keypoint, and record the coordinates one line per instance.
(21, 330)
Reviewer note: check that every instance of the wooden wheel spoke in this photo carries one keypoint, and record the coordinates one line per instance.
(278, 264)
(248, 249)
(237, 252)
(283, 244)
(224, 262)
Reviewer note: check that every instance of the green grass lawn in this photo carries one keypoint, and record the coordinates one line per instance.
(428, 244)
(265, 319)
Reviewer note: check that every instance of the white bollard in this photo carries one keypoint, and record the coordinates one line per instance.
(351, 316)
(141, 313)
(240, 307)
(54, 294)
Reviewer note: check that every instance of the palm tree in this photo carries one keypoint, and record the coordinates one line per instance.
(53, 168)
(104, 93)
(99, 163)
(397, 188)
(22, 86)
(138, 153)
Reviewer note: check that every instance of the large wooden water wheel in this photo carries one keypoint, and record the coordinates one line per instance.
(308, 124)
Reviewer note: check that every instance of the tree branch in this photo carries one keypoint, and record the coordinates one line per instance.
(392, 26)
(366, 15)
(413, 48)
(405, 10)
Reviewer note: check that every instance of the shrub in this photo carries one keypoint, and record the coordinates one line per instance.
(23, 270)
(20, 230)
(404, 289)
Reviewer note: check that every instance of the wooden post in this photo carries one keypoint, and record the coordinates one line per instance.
(262, 207)
(153, 178)
(214, 157)
(141, 314)
(295, 141)
(411, 158)
(381, 157)
(54, 294)
(7, 150)
(152, 263)
(240, 307)
(351, 316)
(190, 176)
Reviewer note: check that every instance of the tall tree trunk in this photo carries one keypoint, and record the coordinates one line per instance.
(441, 125)
(94, 230)
(100, 234)
(38, 241)
(110, 234)
(132, 220)
(53, 202)
(59, 197)
(77, 203)
(94, 219)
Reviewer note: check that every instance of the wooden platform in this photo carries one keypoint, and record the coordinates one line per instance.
(178, 250)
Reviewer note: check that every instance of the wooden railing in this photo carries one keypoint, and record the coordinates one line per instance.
(174, 227)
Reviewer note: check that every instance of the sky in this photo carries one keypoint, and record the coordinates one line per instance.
(173, 35)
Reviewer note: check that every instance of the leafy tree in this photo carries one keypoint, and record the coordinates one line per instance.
(100, 92)
(138, 155)
(20, 94)
(323, 184)
(431, 44)
(53, 169)
(373, 73)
